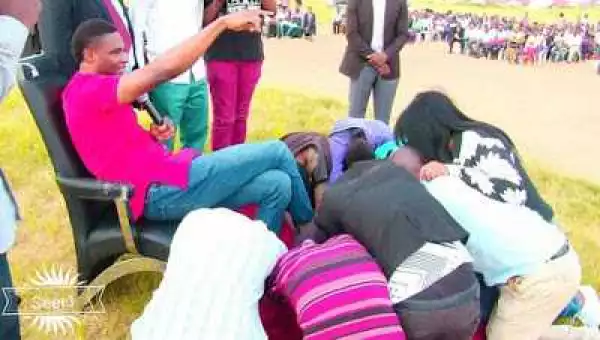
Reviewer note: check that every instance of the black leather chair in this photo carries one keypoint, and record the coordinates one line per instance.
(108, 246)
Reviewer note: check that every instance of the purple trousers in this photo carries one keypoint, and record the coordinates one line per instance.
(232, 85)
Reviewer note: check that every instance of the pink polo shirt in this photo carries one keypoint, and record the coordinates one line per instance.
(111, 143)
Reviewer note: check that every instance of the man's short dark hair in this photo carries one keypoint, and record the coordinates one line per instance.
(87, 33)
(358, 150)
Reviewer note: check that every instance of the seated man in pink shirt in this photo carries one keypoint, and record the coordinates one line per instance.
(113, 147)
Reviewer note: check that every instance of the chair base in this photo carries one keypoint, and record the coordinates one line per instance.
(125, 265)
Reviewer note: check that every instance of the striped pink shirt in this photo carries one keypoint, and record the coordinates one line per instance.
(337, 290)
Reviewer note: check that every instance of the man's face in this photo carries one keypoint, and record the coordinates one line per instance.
(107, 54)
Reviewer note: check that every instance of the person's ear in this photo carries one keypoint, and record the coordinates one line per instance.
(89, 55)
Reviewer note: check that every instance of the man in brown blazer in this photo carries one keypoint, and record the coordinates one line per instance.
(376, 32)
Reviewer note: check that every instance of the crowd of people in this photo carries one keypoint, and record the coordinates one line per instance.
(293, 23)
(338, 24)
(515, 40)
(423, 231)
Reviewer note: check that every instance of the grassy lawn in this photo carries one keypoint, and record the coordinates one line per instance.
(44, 236)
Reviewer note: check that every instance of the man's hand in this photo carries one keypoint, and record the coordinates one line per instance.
(245, 20)
(163, 132)
(377, 58)
(383, 70)
(309, 231)
(433, 170)
(26, 11)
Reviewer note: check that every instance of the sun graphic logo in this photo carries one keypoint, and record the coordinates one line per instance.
(50, 301)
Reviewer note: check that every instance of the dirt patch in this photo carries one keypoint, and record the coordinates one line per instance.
(551, 111)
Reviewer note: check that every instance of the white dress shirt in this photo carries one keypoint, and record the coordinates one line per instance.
(13, 35)
(167, 23)
(378, 25)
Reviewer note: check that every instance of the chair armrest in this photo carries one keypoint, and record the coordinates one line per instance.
(87, 188)
(91, 189)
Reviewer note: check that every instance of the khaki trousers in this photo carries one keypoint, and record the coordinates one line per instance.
(528, 306)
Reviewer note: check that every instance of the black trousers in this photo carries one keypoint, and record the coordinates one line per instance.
(448, 310)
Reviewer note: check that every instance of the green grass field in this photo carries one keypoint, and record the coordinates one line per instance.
(45, 238)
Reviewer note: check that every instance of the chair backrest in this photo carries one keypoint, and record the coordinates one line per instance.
(41, 86)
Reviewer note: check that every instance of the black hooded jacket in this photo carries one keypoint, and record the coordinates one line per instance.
(388, 210)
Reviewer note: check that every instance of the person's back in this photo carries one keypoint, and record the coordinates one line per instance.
(337, 291)
(493, 225)
(213, 281)
(391, 231)
(514, 248)
(415, 242)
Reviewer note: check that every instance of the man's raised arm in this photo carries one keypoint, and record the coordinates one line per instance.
(182, 57)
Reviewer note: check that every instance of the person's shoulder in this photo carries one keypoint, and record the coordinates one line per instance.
(474, 134)
(90, 82)
(86, 88)
(483, 137)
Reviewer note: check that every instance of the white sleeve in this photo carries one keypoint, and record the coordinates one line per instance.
(13, 35)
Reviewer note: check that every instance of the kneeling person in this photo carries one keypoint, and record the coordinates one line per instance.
(414, 240)
(313, 156)
(337, 291)
(536, 279)
(212, 285)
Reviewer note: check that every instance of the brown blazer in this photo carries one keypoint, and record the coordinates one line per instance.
(359, 31)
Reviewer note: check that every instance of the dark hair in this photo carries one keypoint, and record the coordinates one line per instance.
(87, 33)
(431, 121)
(358, 150)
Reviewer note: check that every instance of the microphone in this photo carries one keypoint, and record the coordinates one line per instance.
(147, 105)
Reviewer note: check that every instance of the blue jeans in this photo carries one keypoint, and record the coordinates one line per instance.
(265, 174)
(9, 325)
